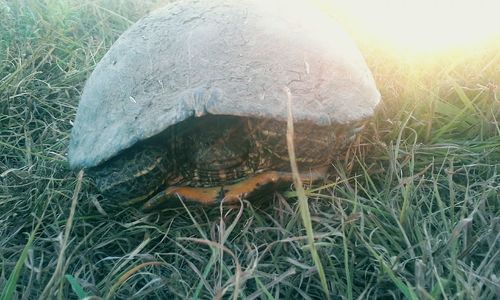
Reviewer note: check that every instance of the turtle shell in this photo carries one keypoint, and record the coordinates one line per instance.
(220, 57)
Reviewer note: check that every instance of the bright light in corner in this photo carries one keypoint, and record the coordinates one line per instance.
(422, 25)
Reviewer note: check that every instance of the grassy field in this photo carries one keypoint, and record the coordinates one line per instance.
(412, 212)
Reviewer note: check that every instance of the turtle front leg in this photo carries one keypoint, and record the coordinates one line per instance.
(229, 193)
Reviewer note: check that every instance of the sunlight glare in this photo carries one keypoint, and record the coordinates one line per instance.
(421, 25)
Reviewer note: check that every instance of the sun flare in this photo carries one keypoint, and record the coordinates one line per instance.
(423, 26)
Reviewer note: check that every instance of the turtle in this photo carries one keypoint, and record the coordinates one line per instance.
(192, 102)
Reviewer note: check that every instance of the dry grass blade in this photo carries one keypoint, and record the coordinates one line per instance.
(264, 289)
(127, 276)
(237, 276)
(303, 204)
(57, 278)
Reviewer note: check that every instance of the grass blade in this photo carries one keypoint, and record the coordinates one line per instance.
(303, 204)
(75, 286)
(10, 287)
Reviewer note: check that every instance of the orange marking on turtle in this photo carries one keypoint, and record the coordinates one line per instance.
(228, 193)
(242, 189)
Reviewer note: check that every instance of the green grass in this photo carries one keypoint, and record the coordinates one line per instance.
(411, 212)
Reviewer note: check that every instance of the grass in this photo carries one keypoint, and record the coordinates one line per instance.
(411, 212)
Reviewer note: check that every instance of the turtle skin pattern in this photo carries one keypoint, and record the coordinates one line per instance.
(135, 173)
(216, 151)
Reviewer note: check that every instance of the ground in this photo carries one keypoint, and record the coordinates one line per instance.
(412, 211)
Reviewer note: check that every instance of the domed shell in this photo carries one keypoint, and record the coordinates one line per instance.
(226, 57)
